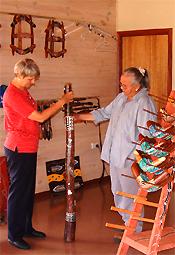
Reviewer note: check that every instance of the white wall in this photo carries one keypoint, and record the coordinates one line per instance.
(146, 14)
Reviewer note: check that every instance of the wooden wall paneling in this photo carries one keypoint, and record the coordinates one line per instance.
(99, 12)
(91, 72)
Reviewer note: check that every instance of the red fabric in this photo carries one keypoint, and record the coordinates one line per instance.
(4, 185)
(170, 109)
(22, 133)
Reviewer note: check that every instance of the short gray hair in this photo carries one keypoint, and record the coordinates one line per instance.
(26, 67)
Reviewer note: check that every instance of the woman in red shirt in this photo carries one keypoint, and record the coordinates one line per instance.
(22, 125)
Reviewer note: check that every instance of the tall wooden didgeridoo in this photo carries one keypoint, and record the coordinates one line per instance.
(70, 220)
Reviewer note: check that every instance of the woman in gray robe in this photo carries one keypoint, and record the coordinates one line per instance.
(125, 113)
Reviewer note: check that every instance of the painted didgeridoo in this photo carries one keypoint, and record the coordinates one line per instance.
(70, 220)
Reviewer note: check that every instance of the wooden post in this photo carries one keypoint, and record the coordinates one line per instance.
(70, 220)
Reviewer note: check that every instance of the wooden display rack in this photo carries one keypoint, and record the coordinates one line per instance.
(152, 241)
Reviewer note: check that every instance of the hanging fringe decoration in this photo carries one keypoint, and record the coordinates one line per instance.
(19, 35)
(53, 29)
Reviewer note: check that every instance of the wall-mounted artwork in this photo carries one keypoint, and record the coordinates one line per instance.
(22, 33)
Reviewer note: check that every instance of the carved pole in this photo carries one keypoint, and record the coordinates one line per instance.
(70, 221)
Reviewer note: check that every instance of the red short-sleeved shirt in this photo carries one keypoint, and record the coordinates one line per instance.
(22, 133)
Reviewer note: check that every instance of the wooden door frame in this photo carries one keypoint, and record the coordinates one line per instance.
(164, 31)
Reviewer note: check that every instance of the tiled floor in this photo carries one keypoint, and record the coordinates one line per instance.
(92, 237)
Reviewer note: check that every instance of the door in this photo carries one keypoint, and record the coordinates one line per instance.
(150, 49)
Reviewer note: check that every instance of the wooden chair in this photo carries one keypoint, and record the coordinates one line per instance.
(152, 241)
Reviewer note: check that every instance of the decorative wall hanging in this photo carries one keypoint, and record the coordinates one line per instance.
(17, 34)
(55, 34)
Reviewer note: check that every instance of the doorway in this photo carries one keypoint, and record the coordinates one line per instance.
(150, 49)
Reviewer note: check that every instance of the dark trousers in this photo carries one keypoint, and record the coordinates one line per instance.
(22, 172)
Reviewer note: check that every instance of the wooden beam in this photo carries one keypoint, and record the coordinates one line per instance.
(110, 225)
(143, 219)
(124, 194)
(147, 203)
(138, 199)
(116, 209)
